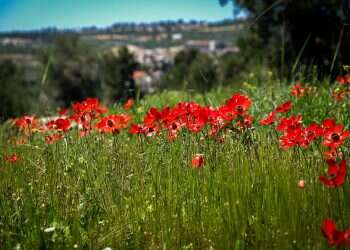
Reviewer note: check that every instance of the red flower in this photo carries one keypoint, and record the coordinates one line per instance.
(173, 130)
(50, 139)
(136, 129)
(60, 125)
(113, 123)
(269, 119)
(335, 237)
(148, 131)
(196, 124)
(246, 121)
(336, 174)
(312, 132)
(290, 124)
(284, 107)
(86, 111)
(333, 154)
(301, 184)
(293, 138)
(226, 113)
(239, 103)
(63, 112)
(328, 124)
(343, 79)
(297, 90)
(26, 122)
(129, 104)
(12, 158)
(90, 105)
(339, 95)
(334, 135)
(198, 161)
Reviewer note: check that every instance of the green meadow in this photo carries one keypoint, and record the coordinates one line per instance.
(126, 191)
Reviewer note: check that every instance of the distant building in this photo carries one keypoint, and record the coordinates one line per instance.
(147, 82)
(210, 46)
(176, 37)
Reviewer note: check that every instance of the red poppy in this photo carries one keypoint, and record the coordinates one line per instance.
(269, 119)
(196, 124)
(290, 124)
(335, 237)
(293, 138)
(339, 95)
(239, 103)
(198, 161)
(336, 174)
(26, 122)
(51, 139)
(137, 129)
(301, 184)
(129, 104)
(152, 117)
(328, 124)
(226, 113)
(343, 79)
(113, 123)
(173, 130)
(333, 154)
(63, 112)
(297, 90)
(312, 132)
(335, 136)
(245, 121)
(60, 125)
(284, 107)
(12, 158)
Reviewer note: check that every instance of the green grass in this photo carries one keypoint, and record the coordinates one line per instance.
(126, 193)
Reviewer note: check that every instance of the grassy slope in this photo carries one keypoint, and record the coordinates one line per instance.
(127, 193)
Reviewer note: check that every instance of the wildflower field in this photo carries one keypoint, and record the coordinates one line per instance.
(236, 168)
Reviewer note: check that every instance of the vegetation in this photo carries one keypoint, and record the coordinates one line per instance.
(117, 76)
(311, 32)
(15, 94)
(114, 188)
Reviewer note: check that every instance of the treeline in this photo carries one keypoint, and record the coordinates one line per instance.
(51, 33)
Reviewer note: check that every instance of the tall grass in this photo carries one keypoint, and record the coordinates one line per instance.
(128, 192)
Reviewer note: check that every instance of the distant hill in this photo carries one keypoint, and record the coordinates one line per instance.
(147, 35)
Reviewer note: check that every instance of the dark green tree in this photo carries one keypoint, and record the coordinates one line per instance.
(116, 73)
(202, 74)
(72, 73)
(191, 70)
(314, 30)
(15, 96)
(177, 76)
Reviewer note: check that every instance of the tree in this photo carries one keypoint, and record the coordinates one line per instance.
(117, 75)
(15, 95)
(308, 29)
(72, 70)
(191, 70)
(202, 74)
(177, 76)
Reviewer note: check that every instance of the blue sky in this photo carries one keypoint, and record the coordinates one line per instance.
(34, 14)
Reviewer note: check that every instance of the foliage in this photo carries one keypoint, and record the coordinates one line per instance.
(286, 27)
(133, 192)
(202, 74)
(72, 70)
(116, 73)
(191, 70)
(16, 95)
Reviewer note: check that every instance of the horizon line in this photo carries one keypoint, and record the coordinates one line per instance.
(63, 28)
